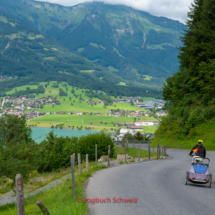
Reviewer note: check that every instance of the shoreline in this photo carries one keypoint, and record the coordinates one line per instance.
(70, 129)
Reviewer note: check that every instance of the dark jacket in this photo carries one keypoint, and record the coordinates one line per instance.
(201, 151)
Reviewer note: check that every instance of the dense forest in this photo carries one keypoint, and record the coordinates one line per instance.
(190, 93)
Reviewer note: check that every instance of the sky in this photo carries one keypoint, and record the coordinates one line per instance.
(173, 9)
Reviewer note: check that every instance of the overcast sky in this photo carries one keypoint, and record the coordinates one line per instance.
(173, 9)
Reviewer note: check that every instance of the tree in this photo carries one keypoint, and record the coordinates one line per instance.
(132, 103)
(18, 152)
(128, 136)
(139, 136)
(193, 86)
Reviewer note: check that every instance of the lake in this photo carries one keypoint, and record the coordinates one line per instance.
(39, 134)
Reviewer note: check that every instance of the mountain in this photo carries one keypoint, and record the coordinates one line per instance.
(139, 48)
(26, 52)
(29, 57)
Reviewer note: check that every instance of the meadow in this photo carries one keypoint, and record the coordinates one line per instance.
(84, 120)
(66, 101)
(72, 104)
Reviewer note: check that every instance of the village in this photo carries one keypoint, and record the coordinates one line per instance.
(32, 107)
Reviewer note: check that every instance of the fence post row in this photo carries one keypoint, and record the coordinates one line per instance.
(72, 160)
(20, 195)
(42, 207)
(96, 154)
(109, 155)
(149, 149)
(87, 163)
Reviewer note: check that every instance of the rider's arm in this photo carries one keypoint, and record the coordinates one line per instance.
(192, 150)
(204, 153)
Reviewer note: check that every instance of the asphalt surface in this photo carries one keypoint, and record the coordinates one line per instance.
(158, 185)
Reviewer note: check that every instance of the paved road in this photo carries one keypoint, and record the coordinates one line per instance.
(158, 186)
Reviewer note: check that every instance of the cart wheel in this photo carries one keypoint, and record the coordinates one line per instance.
(186, 177)
(210, 178)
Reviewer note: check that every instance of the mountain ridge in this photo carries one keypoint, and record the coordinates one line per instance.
(134, 45)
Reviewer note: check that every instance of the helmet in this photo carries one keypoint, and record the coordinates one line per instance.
(200, 141)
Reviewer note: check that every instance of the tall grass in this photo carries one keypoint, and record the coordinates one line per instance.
(205, 132)
(59, 200)
(133, 152)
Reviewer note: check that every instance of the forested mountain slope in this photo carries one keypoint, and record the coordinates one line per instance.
(190, 93)
(26, 52)
(138, 47)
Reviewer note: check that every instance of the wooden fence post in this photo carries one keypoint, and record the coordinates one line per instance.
(109, 155)
(79, 163)
(161, 151)
(138, 152)
(96, 155)
(20, 195)
(157, 150)
(149, 149)
(72, 160)
(87, 163)
(42, 207)
(125, 152)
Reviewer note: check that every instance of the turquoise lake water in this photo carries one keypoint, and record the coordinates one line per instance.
(39, 134)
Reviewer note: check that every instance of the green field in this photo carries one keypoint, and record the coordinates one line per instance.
(65, 101)
(83, 106)
(150, 129)
(84, 120)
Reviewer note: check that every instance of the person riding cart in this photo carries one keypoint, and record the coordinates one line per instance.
(198, 152)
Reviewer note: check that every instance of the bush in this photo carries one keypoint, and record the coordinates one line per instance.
(209, 112)
(55, 152)
(86, 145)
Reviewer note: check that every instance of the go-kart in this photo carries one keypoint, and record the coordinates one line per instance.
(198, 173)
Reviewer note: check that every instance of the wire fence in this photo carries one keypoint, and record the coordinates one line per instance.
(77, 161)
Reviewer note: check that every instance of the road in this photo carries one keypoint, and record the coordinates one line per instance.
(158, 185)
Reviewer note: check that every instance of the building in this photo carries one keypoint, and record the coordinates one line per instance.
(139, 128)
(125, 131)
(144, 123)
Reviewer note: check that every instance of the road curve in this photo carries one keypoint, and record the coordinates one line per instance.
(158, 186)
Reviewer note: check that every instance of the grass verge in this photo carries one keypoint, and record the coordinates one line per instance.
(203, 132)
(133, 152)
(36, 180)
(59, 199)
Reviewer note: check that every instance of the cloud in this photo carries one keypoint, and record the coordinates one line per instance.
(173, 9)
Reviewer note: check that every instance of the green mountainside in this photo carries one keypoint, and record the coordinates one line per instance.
(26, 52)
(139, 48)
(27, 56)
